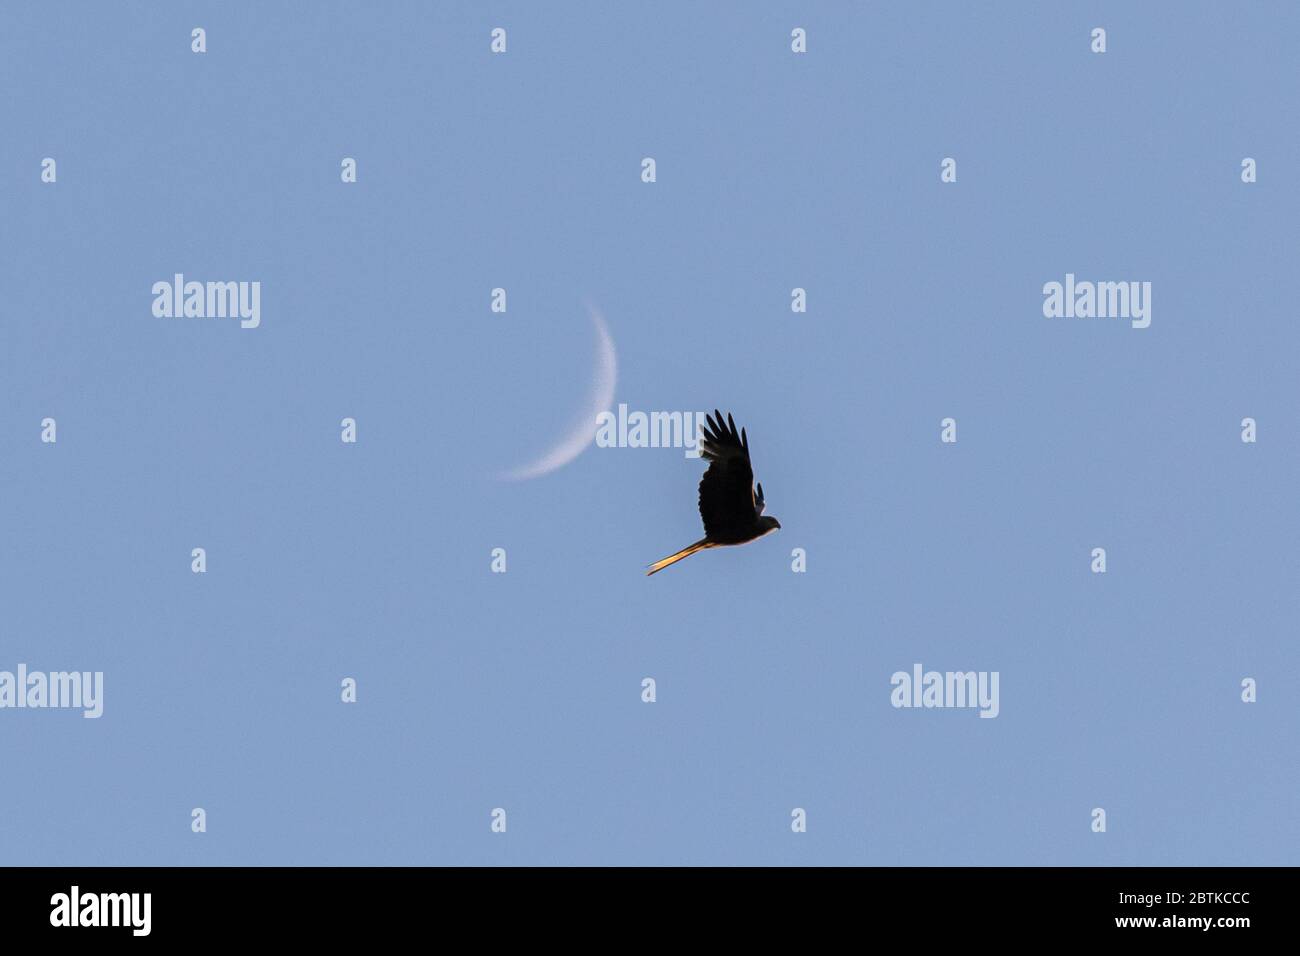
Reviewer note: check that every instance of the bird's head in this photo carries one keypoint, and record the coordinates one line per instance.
(768, 524)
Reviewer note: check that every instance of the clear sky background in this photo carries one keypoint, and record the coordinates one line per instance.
(522, 690)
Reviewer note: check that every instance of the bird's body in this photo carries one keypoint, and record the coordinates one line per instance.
(732, 510)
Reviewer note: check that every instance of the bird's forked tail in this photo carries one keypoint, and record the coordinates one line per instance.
(684, 553)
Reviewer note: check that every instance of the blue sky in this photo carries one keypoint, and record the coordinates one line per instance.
(522, 690)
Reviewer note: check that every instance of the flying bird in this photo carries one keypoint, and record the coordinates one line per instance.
(732, 510)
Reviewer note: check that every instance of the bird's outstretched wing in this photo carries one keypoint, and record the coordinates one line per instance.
(728, 504)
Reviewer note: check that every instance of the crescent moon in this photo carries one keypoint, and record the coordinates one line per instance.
(601, 398)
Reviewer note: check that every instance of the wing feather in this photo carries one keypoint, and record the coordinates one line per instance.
(728, 503)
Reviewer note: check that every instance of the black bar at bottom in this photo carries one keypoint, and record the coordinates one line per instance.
(334, 905)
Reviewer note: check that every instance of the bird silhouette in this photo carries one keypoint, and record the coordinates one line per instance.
(732, 510)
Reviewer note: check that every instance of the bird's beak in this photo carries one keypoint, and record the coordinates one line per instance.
(778, 524)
